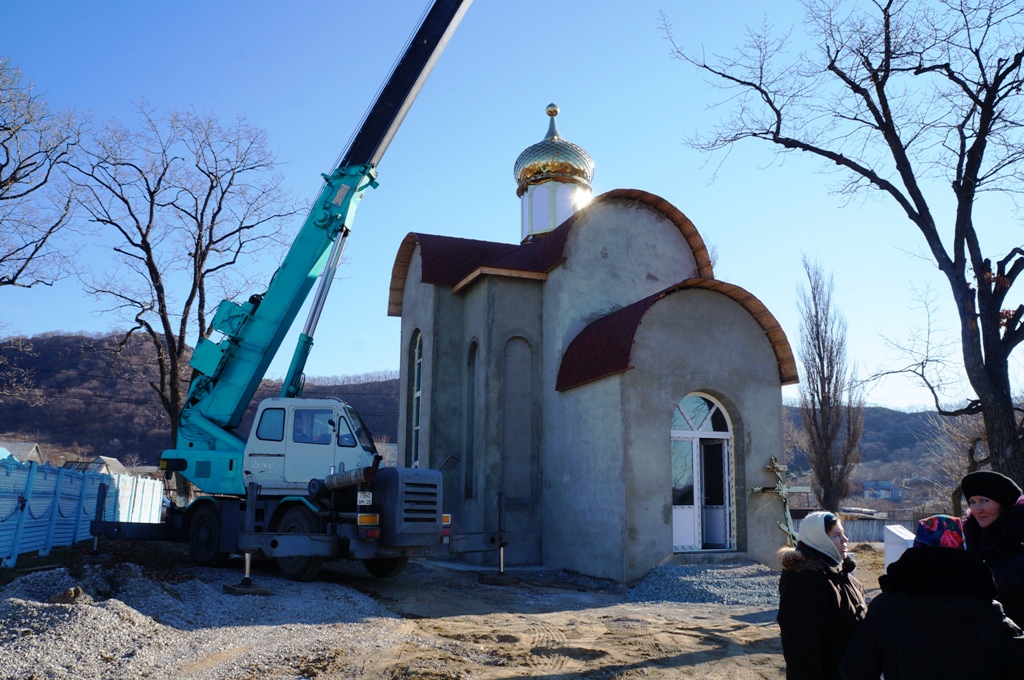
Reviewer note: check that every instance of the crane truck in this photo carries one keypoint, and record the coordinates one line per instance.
(307, 485)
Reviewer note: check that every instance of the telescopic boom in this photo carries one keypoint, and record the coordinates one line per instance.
(228, 372)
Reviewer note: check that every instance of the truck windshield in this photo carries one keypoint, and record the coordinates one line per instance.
(362, 433)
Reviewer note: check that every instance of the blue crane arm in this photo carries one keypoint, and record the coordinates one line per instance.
(228, 371)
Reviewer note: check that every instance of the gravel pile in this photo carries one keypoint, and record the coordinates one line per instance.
(120, 622)
(736, 583)
(116, 623)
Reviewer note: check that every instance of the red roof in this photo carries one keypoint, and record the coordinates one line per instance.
(605, 346)
(455, 262)
(448, 260)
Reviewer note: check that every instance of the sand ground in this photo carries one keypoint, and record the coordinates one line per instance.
(455, 623)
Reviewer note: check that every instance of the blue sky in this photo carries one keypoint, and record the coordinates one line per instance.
(306, 72)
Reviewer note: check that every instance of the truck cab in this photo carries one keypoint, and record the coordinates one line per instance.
(295, 440)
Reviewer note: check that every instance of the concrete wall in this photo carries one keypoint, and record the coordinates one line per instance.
(500, 310)
(584, 480)
(700, 341)
(417, 315)
(607, 460)
(618, 252)
(490, 313)
(587, 472)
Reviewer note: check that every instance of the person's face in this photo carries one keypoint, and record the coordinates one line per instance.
(985, 510)
(839, 538)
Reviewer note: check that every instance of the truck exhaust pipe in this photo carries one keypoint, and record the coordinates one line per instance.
(341, 480)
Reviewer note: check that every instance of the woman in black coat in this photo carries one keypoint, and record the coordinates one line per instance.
(994, 529)
(820, 600)
(935, 617)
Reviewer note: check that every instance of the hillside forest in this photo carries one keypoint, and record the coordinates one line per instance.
(78, 398)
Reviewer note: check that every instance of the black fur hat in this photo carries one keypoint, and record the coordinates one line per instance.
(998, 487)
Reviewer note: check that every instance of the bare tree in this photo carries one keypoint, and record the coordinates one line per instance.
(36, 200)
(928, 356)
(901, 97)
(831, 410)
(16, 381)
(183, 202)
(957, 442)
(957, 446)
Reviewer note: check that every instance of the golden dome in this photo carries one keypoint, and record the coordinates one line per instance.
(553, 159)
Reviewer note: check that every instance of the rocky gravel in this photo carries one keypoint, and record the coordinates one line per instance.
(117, 619)
(738, 583)
(118, 623)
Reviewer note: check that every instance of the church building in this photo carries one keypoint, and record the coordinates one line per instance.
(623, 401)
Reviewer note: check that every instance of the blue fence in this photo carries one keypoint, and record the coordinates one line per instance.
(42, 507)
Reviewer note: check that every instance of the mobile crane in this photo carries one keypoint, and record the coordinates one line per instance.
(307, 485)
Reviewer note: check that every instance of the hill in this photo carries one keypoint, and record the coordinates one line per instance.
(83, 400)
(890, 436)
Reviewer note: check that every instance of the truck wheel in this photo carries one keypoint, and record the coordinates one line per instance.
(204, 537)
(385, 567)
(299, 520)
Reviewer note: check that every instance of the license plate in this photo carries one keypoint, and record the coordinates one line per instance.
(364, 498)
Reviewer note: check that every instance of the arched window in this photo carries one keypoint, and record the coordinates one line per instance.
(470, 433)
(699, 414)
(412, 440)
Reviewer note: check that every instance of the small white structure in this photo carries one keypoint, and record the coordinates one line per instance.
(897, 540)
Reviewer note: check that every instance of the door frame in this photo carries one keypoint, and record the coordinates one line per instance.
(692, 517)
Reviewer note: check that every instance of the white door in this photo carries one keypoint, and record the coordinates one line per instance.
(702, 480)
(311, 449)
(686, 513)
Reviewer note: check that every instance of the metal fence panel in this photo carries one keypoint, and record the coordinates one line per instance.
(42, 506)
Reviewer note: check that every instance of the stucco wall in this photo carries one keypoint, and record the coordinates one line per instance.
(417, 314)
(700, 341)
(584, 480)
(498, 309)
(618, 252)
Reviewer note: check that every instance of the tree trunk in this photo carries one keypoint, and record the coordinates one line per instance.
(1006, 449)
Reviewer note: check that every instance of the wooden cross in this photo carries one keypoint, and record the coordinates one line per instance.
(783, 490)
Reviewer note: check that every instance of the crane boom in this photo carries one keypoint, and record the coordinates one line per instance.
(228, 371)
(308, 484)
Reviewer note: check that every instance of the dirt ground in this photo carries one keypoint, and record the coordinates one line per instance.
(553, 625)
(458, 623)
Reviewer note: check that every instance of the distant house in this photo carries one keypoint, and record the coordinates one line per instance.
(101, 464)
(884, 489)
(23, 452)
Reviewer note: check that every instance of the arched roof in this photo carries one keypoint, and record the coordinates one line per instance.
(457, 262)
(605, 346)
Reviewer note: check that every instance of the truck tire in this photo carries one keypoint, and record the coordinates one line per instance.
(299, 520)
(204, 537)
(385, 567)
